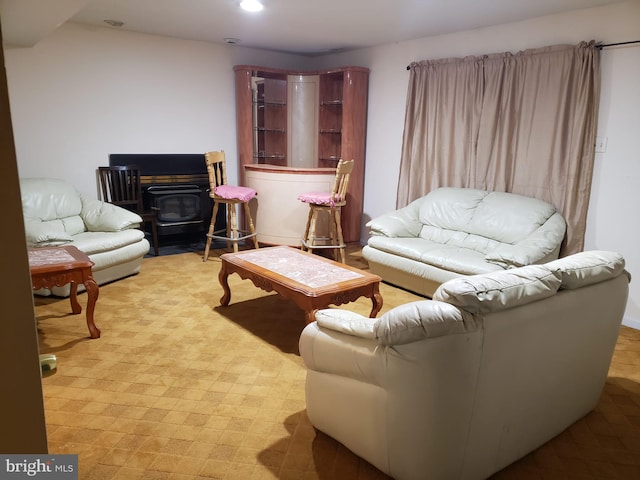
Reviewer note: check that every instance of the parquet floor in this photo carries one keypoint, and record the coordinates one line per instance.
(179, 388)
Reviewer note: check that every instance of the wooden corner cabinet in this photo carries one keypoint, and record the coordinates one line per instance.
(305, 120)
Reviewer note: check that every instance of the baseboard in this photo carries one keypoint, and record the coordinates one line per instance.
(631, 322)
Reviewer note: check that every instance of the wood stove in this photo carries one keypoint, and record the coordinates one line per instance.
(178, 186)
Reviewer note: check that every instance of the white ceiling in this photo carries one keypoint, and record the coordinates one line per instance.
(308, 27)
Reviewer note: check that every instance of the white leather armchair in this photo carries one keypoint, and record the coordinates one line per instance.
(460, 386)
(55, 213)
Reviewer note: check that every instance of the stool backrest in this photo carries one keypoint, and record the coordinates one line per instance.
(341, 182)
(216, 168)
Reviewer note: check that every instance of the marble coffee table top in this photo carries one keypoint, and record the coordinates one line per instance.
(48, 256)
(297, 266)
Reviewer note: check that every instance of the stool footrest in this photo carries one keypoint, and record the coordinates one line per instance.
(232, 239)
(314, 246)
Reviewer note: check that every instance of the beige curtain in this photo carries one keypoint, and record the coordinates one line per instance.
(533, 133)
(444, 103)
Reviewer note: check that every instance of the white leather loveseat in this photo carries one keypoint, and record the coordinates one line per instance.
(451, 232)
(461, 386)
(56, 213)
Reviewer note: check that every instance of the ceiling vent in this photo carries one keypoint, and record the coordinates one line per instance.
(114, 23)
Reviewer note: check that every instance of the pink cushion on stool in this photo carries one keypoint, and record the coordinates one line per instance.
(317, 198)
(232, 192)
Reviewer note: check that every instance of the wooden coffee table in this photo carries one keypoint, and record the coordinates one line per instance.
(311, 281)
(57, 266)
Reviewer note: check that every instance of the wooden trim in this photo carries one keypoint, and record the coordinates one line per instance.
(259, 167)
(253, 68)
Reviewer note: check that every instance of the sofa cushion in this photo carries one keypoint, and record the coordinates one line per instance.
(450, 208)
(508, 217)
(586, 268)
(99, 216)
(49, 199)
(447, 256)
(500, 290)
(96, 242)
(541, 246)
(459, 238)
(52, 232)
(481, 220)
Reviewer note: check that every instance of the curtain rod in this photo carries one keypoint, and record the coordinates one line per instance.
(616, 44)
(604, 45)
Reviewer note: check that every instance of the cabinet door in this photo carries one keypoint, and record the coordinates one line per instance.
(269, 120)
(330, 120)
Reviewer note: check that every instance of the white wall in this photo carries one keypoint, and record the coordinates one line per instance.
(613, 222)
(83, 93)
(86, 92)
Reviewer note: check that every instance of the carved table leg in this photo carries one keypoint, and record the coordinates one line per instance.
(222, 278)
(376, 300)
(310, 316)
(92, 298)
(73, 298)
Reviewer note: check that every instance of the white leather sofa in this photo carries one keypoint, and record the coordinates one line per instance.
(56, 213)
(451, 232)
(461, 386)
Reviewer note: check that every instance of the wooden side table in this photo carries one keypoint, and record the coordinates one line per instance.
(57, 266)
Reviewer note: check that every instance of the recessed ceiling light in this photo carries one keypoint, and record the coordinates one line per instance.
(251, 5)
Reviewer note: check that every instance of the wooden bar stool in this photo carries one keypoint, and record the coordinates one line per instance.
(331, 203)
(231, 196)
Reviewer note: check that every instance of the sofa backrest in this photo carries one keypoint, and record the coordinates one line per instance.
(51, 208)
(458, 305)
(501, 290)
(479, 219)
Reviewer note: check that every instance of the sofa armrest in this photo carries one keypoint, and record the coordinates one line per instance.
(347, 322)
(404, 324)
(536, 248)
(45, 234)
(100, 216)
(420, 320)
(403, 222)
(330, 351)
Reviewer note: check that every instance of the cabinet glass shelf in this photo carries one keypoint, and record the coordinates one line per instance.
(277, 156)
(262, 104)
(270, 130)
